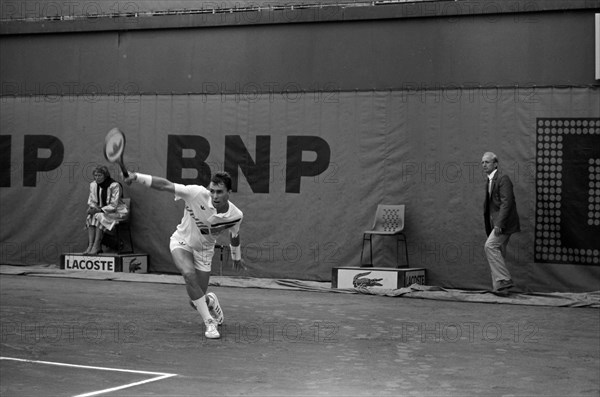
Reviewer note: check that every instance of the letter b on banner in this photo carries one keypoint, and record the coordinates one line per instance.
(176, 163)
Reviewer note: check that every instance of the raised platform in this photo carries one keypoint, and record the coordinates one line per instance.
(377, 277)
(126, 263)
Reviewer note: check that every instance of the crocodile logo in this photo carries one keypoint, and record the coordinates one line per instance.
(134, 265)
(361, 281)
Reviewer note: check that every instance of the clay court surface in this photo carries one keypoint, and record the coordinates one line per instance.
(66, 337)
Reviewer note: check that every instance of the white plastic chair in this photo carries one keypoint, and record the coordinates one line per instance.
(389, 221)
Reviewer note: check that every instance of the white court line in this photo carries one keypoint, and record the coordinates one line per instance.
(161, 375)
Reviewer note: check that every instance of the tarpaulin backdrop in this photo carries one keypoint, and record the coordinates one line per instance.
(309, 170)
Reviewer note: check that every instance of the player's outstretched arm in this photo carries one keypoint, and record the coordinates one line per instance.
(155, 182)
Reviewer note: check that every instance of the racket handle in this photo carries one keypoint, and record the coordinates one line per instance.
(123, 169)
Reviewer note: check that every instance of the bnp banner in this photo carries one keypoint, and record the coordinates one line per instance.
(309, 170)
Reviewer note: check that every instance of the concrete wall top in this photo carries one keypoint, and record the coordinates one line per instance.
(37, 16)
(401, 46)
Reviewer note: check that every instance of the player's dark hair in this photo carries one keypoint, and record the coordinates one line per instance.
(222, 177)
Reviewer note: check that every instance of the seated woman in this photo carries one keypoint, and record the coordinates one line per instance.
(105, 208)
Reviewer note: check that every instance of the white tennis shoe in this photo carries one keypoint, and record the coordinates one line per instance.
(211, 329)
(215, 308)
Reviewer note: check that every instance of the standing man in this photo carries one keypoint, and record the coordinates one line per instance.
(501, 220)
(207, 213)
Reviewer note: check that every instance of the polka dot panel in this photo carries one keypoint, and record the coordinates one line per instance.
(549, 244)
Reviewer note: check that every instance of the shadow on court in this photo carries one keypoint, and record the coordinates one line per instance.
(285, 343)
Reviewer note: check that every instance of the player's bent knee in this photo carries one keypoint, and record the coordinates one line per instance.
(189, 277)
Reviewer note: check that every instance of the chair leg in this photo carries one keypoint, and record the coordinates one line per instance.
(131, 239)
(130, 248)
(370, 264)
(403, 239)
(362, 250)
(398, 251)
(118, 239)
(121, 248)
(371, 249)
(405, 248)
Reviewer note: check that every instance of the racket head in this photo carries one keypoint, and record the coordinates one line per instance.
(114, 147)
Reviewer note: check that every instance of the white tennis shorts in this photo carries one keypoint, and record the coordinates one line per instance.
(202, 259)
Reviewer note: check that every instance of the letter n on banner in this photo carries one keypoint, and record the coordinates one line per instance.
(567, 223)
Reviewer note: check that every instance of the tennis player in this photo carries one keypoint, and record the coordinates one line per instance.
(207, 213)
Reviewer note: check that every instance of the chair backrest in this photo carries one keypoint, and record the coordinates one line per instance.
(389, 218)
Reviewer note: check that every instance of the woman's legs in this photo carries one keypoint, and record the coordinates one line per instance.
(91, 236)
(97, 240)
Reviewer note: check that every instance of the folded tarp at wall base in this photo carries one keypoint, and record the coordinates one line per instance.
(583, 299)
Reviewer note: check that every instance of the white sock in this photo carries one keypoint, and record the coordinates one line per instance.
(202, 308)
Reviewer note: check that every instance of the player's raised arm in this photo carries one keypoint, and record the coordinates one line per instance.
(155, 182)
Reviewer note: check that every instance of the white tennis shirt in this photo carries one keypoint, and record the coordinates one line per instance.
(201, 224)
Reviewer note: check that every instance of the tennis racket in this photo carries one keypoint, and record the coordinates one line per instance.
(114, 147)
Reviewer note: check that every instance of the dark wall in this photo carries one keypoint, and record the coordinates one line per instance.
(554, 48)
